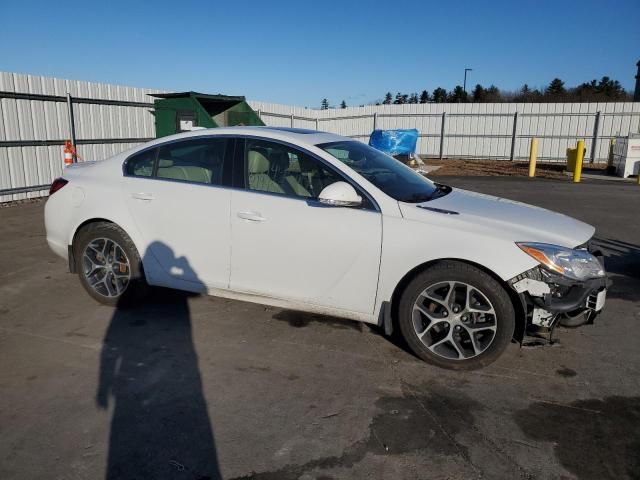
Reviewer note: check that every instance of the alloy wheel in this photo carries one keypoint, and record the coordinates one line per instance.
(106, 267)
(454, 320)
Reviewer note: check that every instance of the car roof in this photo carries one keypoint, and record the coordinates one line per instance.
(298, 136)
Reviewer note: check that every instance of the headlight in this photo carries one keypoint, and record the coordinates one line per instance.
(575, 264)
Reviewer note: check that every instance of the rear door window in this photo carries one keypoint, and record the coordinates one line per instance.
(195, 161)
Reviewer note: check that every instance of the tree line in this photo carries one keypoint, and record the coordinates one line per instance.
(603, 90)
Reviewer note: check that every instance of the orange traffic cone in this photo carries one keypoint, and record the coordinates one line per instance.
(68, 152)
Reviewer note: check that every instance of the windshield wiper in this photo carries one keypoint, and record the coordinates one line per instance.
(439, 191)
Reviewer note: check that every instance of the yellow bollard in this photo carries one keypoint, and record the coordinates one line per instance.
(533, 155)
(577, 172)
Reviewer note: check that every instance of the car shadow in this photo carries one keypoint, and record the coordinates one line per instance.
(160, 427)
(300, 319)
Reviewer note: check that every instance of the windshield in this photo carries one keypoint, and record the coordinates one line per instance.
(385, 172)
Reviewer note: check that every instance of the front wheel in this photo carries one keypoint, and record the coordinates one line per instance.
(456, 316)
(108, 265)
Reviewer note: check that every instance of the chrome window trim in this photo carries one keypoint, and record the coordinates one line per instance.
(164, 144)
(341, 174)
(183, 182)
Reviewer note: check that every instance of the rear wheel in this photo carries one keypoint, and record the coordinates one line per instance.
(456, 316)
(108, 264)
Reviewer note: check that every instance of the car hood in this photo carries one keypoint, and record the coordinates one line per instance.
(499, 217)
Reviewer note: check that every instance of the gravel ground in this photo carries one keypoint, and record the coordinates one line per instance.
(492, 168)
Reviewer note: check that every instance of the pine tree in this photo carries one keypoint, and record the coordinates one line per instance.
(603, 90)
(324, 105)
(493, 94)
(479, 94)
(343, 104)
(586, 91)
(524, 94)
(458, 95)
(610, 88)
(387, 99)
(439, 95)
(424, 96)
(401, 98)
(413, 98)
(556, 88)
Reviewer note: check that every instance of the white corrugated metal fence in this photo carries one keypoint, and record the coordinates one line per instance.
(32, 128)
(476, 130)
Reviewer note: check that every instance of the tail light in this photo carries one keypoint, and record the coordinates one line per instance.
(57, 184)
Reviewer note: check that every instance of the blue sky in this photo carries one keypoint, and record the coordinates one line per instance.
(298, 52)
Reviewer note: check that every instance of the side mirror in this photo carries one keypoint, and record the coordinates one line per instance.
(340, 194)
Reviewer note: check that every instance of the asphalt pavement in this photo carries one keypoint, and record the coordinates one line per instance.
(191, 387)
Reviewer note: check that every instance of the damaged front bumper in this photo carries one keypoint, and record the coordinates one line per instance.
(549, 298)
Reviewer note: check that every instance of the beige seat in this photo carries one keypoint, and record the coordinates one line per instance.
(258, 167)
(309, 175)
(191, 173)
(280, 164)
(296, 187)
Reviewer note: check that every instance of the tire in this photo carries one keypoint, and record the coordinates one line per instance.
(456, 334)
(100, 252)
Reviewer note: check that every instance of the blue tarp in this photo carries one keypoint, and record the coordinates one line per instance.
(395, 142)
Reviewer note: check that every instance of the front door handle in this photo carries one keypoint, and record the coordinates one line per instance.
(251, 216)
(142, 196)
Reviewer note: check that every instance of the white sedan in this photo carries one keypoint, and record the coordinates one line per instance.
(317, 222)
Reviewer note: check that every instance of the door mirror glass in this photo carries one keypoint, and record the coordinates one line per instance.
(340, 194)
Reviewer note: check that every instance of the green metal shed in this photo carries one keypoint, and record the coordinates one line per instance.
(180, 112)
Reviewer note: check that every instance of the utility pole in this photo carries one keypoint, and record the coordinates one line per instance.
(636, 93)
(465, 79)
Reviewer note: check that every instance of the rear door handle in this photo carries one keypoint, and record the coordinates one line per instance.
(252, 216)
(142, 196)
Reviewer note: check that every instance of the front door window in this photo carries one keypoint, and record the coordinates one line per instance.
(276, 168)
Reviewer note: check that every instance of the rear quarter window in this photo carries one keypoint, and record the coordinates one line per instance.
(141, 164)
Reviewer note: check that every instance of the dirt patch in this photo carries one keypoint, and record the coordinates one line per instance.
(501, 168)
(593, 439)
(401, 426)
(566, 372)
(24, 201)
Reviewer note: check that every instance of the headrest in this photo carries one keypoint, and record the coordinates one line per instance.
(307, 165)
(279, 159)
(294, 166)
(164, 163)
(258, 163)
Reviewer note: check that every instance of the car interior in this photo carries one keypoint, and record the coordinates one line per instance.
(270, 167)
(199, 163)
(277, 170)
